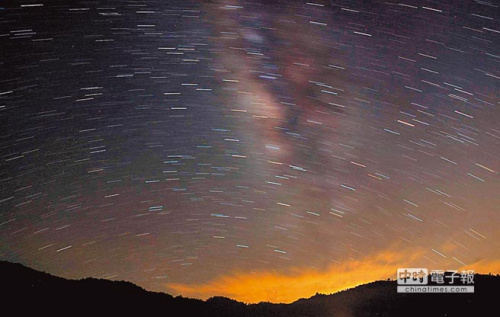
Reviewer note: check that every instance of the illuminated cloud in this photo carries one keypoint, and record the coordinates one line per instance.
(304, 282)
(299, 282)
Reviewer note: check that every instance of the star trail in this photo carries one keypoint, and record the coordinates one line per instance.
(259, 150)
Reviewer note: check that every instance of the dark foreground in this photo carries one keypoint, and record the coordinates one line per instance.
(27, 290)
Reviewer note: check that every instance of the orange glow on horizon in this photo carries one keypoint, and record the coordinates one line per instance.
(296, 283)
(269, 286)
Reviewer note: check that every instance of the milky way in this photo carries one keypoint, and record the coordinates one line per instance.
(195, 147)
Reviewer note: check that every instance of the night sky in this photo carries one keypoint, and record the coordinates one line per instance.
(259, 150)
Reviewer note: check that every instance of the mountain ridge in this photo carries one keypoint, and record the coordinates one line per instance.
(48, 293)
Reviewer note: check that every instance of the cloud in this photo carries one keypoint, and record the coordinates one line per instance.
(300, 282)
(485, 266)
(303, 282)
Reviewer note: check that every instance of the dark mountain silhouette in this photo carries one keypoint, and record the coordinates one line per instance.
(27, 290)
